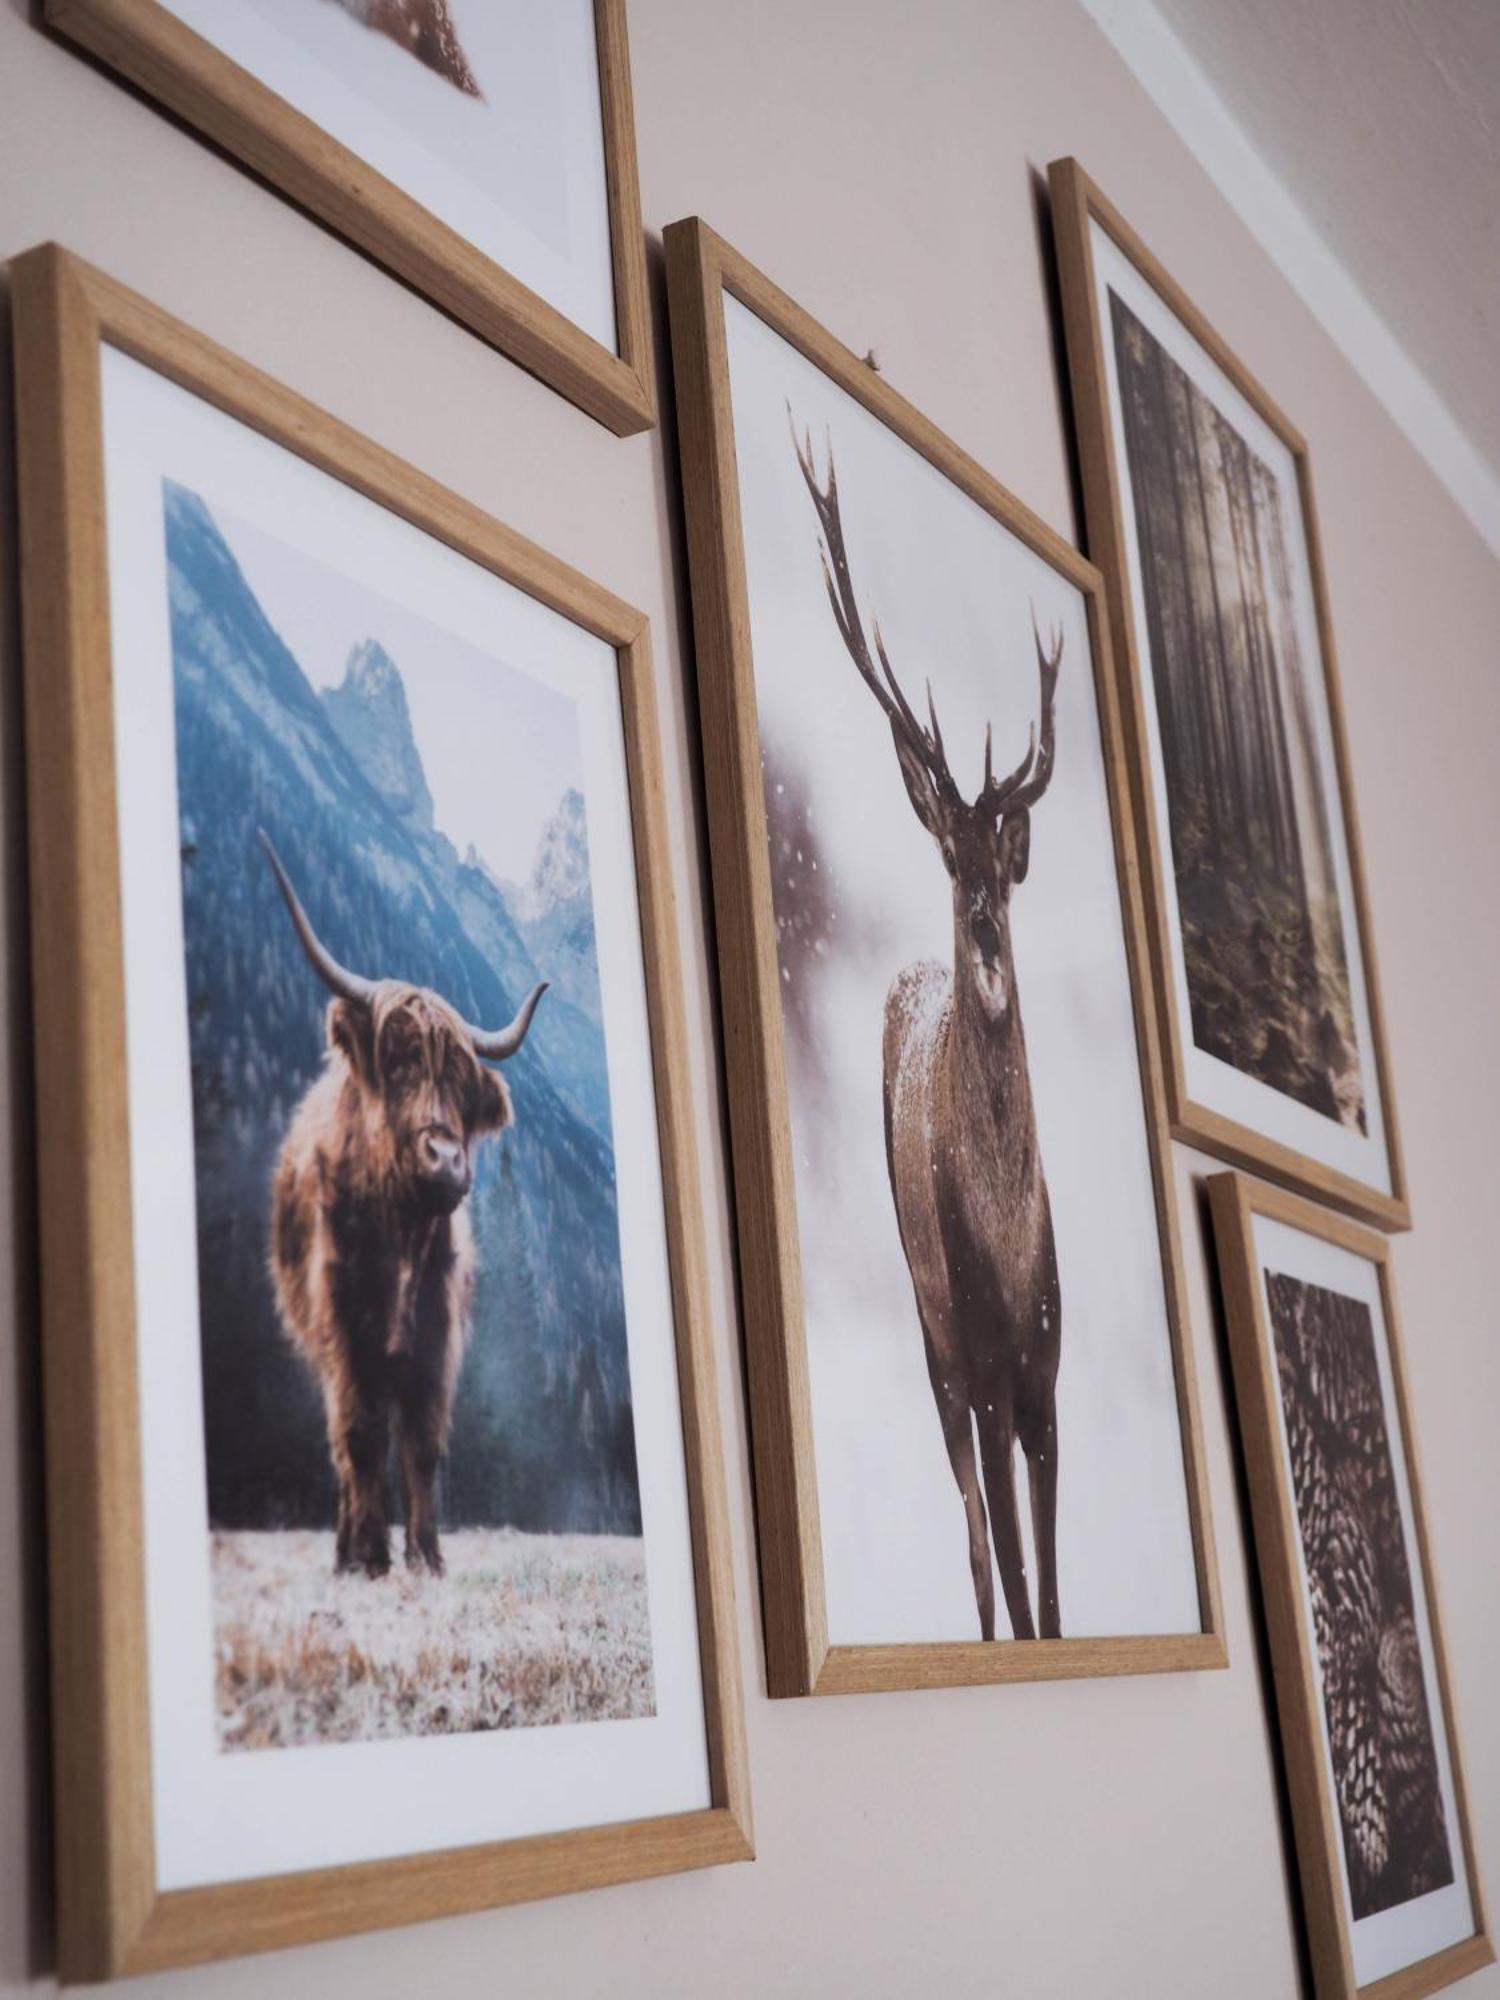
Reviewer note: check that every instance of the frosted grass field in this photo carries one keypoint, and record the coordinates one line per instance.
(523, 1630)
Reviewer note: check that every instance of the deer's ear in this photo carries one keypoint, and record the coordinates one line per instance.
(1015, 844)
(351, 1028)
(920, 790)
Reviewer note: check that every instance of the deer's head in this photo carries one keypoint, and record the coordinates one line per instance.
(985, 843)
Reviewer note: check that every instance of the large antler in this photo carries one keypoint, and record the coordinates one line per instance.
(1026, 783)
(923, 743)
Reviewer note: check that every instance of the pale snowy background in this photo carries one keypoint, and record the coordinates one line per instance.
(951, 590)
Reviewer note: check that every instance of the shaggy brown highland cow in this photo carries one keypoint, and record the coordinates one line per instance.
(372, 1254)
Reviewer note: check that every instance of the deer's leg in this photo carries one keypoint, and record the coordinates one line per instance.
(997, 1441)
(958, 1436)
(1039, 1442)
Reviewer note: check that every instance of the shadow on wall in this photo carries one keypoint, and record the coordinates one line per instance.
(25, 1821)
(1041, 209)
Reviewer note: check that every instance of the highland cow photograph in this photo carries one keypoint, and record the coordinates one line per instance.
(420, 1451)
(1359, 1575)
(417, 1482)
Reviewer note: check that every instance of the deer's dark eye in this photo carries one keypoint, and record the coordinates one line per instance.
(950, 857)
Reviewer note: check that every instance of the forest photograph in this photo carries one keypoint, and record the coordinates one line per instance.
(1251, 795)
(419, 1437)
(1359, 1579)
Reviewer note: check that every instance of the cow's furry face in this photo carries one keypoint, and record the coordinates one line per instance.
(425, 1096)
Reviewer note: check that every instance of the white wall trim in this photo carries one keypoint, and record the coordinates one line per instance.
(1182, 92)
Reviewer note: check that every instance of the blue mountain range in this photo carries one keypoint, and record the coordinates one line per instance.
(543, 1432)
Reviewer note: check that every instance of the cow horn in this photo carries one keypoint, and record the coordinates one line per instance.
(503, 1042)
(337, 978)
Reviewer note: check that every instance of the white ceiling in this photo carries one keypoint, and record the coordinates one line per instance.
(1381, 118)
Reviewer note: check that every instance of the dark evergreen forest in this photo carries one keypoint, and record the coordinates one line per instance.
(543, 1430)
(1268, 977)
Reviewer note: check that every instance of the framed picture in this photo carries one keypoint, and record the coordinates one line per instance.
(1200, 514)
(1389, 1881)
(484, 150)
(389, 1572)
(958, 1250)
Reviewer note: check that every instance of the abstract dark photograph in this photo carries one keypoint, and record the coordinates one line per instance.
(1249, 796)
(420, 1445)
(1385, 1767)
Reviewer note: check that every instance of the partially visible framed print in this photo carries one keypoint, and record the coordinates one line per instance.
(1389, 1882)
(958, 1246)
(1200, 514)
(389, 1574)
(484, 150)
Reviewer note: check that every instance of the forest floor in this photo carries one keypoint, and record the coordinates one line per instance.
(523, 1629)
(1269, 987)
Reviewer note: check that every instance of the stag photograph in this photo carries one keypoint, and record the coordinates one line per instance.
(985, 1286)
(419, 1440)
(1359, 1580)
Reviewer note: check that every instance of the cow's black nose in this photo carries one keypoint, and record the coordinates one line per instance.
(443, 1158)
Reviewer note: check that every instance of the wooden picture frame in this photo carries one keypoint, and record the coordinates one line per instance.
(704, 273)
(114, 1919)
(148, 44)
(1270, 1380)
(1361, 1173)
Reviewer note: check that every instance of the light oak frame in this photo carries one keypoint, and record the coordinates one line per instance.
(1076, 202)
(1235, 1201)
(113, 1919)
(701, 267)
(172, 63)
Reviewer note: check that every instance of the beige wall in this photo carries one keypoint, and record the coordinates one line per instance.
(881, 161)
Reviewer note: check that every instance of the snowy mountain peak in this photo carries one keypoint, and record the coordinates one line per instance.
(369, 712)
(554, 910)
(475, 860)
(560, 872)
